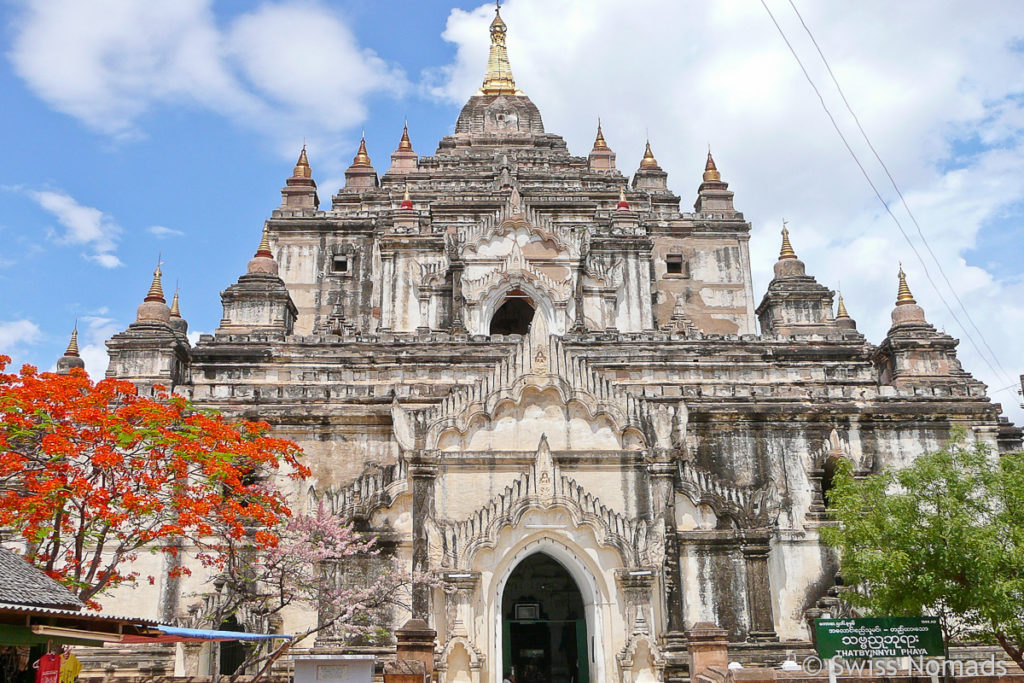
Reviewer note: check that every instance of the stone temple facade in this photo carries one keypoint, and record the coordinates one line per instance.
(551, 386)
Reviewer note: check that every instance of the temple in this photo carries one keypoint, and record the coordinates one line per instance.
(548, 384)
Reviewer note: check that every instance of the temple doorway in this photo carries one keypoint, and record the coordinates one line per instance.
(514, 316)
(544, 626)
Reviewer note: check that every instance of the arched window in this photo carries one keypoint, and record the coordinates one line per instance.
(828, 478)
(514, 316)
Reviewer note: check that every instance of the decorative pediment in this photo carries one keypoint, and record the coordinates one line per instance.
(514, 217)
(749, 508)
(545, 486)
(515, 269)
(378, 487)
(550, 376)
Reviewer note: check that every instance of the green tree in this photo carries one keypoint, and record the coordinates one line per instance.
(943, 536)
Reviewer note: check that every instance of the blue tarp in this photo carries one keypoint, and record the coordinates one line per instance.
(174, 634)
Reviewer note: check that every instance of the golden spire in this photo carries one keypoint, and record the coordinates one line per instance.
(841, 314)
(406, 199)
(599, 143)
(72, 349)
(498, 79)
(711, 174)
(361, 158)
(156, 290)
(405, 145)
(648, 161)
(302, 169)
(904, 296)
(264, 248)
(787, 248)
(175, 311)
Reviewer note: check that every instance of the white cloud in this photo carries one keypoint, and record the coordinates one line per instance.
(939, 87)
(163, 232)
(286, 69)
(86, 226)
(15, 335)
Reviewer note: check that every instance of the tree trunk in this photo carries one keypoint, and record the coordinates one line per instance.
(1015, 653)
(269, 663)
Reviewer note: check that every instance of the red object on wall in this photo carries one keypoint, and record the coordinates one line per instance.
(48, 669)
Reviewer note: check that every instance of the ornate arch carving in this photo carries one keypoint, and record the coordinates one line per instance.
(748, 508)
(545, 487)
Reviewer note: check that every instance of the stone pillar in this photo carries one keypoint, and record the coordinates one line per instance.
(424, 299)
(759, 592)
(457, 601)
(416, 643)
(423, 471)
(387, 302)
(709, 646)
(458, 301)
(662, 475)
(635, 586)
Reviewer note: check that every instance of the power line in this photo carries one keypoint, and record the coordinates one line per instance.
(867, 177)
(892, 180)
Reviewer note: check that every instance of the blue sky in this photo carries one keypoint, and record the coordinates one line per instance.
(129, 129)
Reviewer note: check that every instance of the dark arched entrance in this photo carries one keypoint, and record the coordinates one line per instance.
(544, 626)
(514, 316)
(232, 652)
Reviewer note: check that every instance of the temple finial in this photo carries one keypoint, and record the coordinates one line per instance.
(904, 296)
(787, 249)
(407, 199)
(648, 161)
(405, 144)
(361, 158)
(264, 248)
(599, 142)
(302, 169)
(498, 79)
(623, 204)
(156, 290)
(711, 174)
(175, 311)
(72, 349)
(841, 313)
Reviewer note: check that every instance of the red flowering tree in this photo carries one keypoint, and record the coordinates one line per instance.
(92, 474)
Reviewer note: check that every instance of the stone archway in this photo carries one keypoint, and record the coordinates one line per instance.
(590, 595)
(544, 630)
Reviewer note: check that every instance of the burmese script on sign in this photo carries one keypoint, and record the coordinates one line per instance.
(879, 637)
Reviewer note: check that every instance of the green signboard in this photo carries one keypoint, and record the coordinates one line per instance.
(879, 637)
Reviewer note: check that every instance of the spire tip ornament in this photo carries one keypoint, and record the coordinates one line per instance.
(175, 311)
(156, 290)
(498, 79)
(623, 205)
(302, 169)
(361, 158)
(903, 296)
(599, 141)
(264, 249)
(841, 313)
(648, 161)
(787, 249)
(711, 174)
(407, 200)
(72, 349)
(405, 144)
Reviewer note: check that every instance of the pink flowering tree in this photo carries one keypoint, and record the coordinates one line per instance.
(323, 564)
